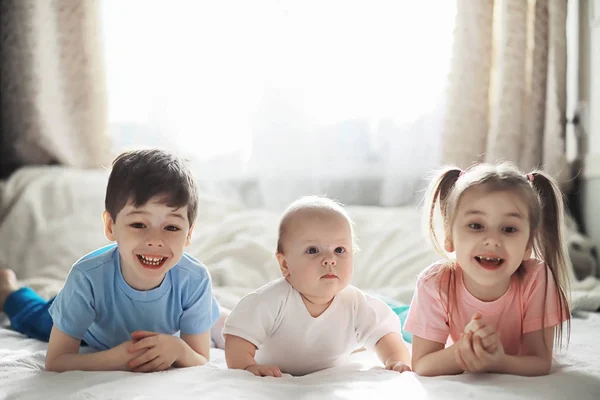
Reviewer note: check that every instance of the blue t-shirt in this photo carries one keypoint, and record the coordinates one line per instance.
(98, 306)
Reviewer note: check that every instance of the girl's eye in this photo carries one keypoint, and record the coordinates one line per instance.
(340, 250)
(137, 225)
(509, 229)
(172, 228)
(476, 226)
(312, 250)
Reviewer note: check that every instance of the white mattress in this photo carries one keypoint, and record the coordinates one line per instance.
(51, 216)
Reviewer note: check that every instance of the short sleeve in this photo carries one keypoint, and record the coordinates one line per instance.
(541, 307)
(200, 309)
(428, 317)
(253, 318)
(374, 320)
(72, 310)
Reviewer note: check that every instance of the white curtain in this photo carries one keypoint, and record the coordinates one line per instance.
(284, 98)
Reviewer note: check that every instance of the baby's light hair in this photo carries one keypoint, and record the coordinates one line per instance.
(316, 203)
(544, 200)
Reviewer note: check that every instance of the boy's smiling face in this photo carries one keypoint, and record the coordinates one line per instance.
(151, 239)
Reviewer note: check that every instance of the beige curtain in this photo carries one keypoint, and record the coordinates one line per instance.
(507, 92)
(52, 86)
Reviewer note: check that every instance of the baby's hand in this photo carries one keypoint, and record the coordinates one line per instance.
(265, 370)
(398, 366)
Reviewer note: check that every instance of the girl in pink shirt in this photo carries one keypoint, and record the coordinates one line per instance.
(499, 298)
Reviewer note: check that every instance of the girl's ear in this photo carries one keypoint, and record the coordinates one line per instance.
(528, 251)
(108, 226)
(449, 244)
(283, 265)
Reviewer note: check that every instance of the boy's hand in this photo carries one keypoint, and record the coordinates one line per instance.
(472, 357)
(123, 354)
(265, 370)
(398, 366)
(161, 351)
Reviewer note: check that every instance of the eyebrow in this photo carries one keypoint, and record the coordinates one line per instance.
(137, 212)
(510, 214)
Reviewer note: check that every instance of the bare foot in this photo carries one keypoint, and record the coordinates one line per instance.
(8, 284)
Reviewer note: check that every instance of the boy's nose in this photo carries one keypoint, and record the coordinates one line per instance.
(154, 242)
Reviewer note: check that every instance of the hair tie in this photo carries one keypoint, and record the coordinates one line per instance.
(530, 177)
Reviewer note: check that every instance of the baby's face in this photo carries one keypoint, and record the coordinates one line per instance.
(317, 253)
(151, 240)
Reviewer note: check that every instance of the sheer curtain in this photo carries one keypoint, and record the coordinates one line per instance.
(284, 98)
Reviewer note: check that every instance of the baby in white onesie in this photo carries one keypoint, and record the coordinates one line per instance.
(311, 318)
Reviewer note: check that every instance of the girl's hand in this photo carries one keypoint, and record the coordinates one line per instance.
(265, 370)
(162, 351)
(487, 333)
(472, 357)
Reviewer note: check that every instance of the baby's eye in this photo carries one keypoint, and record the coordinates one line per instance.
(312, 250)
(476, 226)
(137, 225)
(172, 228)
(340, 250)
(509, 229)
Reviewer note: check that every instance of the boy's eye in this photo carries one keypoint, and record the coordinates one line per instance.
(476, 226)
(172, 228)
(138, 225)
(509, 229)
(312, 250)
(340, 250)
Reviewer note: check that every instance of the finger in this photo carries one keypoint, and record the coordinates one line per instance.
(485, 331)
(145, 343)
(276, 372)
(459, 359)
(143, 359)
(489, 342)
(477, 315)
(478, 348)
(266, 371)
(149, 366)
(466, 351)
(475, 325)
(137, 335)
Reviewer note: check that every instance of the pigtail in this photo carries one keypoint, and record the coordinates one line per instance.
(438, 191)
(550, 243)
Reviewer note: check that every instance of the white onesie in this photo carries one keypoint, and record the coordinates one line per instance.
(275, 319)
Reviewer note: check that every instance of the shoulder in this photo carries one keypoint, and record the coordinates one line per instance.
(437, 273)
(277, 288)
(534, 273)
(190, 270)
(98, 261)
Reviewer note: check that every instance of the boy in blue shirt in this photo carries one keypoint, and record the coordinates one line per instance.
(143, 302)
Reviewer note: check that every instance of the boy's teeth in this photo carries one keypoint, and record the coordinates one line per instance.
(151, 260)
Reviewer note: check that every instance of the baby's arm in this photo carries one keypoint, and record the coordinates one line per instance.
(392, 351)
(239, 354)
(430, 358)
(63, 355)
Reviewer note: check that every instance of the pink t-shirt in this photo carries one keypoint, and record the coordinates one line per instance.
(518, 311)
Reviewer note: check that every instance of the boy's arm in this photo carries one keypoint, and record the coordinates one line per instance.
(63, 355)
(195, 350)
(430, 358)
(392, 350)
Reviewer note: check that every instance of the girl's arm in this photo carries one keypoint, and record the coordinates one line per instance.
(537, 360)
(63, 355)
(430, 358)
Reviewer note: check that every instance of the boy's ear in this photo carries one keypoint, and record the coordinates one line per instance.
(283, 266)
(188, 239)
(108, 226)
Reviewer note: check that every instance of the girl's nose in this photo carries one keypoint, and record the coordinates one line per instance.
(491, 241)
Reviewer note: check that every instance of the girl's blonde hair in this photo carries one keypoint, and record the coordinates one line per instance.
(544, 200)
(317, 203)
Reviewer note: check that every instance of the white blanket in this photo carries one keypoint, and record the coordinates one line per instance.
(576, 376)
(51, 216)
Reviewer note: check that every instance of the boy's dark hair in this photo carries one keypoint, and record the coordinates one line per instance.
(139, 175)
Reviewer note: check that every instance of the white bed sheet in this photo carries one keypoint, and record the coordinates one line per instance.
(576, 375)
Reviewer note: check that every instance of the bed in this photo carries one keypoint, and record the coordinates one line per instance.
(51, 216)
